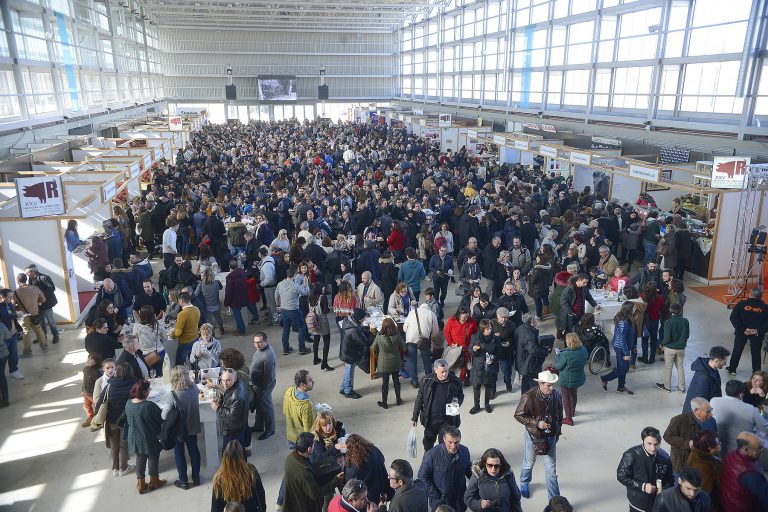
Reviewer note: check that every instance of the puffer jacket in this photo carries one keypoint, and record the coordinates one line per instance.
(501, 490)
(570, 363)
(354, 343)
(118, 392)
(705, 382)
(485, 374)
(622, 334)
(530, 356)
(637, 468)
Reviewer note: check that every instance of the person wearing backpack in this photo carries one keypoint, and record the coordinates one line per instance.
(318, 326)
(186, 401)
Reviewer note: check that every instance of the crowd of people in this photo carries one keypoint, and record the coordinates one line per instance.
(319, 224)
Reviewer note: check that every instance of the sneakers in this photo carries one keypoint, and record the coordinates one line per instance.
(730, 372)
(353, 395)
(45, 349)
(525, 492)
(663, 387)
(289, 351)
(17, 375)
(304, 351)
(625, 391)
(115, 473)
(129, 469)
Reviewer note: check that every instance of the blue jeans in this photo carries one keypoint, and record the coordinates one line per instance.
(293, 317)
(49, 322)
(506, 370)
(194, 458)
(348, 381)
(540, 303)
(237, 249)
(13, 353)
(253, 309)
(413, 364)
(619, 371)
(182, 353)
(652, 326)
(649, 252)
(265, 410)
(237, 313)
(550, 464)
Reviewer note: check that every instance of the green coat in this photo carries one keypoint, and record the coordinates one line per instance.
(143, 420)
(570, 363)
(388, 349)
(676, 332)
(303, 493)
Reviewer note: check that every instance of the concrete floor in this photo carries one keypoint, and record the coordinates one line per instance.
(49, 463)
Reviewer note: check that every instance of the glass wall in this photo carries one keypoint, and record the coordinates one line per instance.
(690, 60)
(59, 57)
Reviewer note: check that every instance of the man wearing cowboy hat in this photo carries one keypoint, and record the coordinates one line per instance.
(541, 412)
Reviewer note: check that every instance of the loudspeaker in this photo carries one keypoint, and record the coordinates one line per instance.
(231, 92)
(322, 92)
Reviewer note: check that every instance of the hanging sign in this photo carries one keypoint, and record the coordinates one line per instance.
(499, 140)
(549, 151)
(580, 158)
(40, 196)
(644, 173)
(521, 144)
(729, 171)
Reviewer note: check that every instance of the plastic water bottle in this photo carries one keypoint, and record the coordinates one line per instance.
(166, 370)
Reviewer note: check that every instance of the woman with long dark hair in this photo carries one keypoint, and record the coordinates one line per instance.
(492, 486)
(318, 305)
(72, 237)
(366, 462)
(623, 334)
(237, 481)
(152, 336)
(653, 310)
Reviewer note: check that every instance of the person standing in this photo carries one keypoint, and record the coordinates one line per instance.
(485, 365)
(570, 363)
(441, 267)
(186, 327)
(236, 481)
(445, 469)
(231, 409)
(236, 295)
(263, 372)
(388, 345)
(298, 408)
(412, 272)
(303, 492)
(185, 393)
(492, 486)
(530, 355)
(437, 390)
(410, 495)
(683, 428)
(352, 350)
(686, 495)
(169, 243)
(676, 332)
(287, 294)
(572, 301)
(420, 324)
(750, 323)
(540, 410)
(734, 416)
(28, 299)
(143, 419)
(368, 293)
(651, 238)
(642, 467)
(623, 334)
(9, 319)
(706, 378)
(745, 488)
(504, 328)
(705, 457)
(268, 281)
(45, 283)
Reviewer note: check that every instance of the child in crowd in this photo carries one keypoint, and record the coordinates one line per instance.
(91, 373)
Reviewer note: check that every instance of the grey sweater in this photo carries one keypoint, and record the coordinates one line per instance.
(262, 369)
(287, 294)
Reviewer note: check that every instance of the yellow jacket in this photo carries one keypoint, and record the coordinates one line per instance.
(299, 414)
(186, 325)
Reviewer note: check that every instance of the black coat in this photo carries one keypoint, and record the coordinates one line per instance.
(256, 502)
(500, 490)
(373, 472)
(102, 344)
(411, 497)
(469, 227)
(388, 278)
(233, 410)
(530, 356)
(539, 281)
(485, 374)
(354, 343)
(516, 303)
(423, 404)
(118, 394)
(637, 468)
(127, 357)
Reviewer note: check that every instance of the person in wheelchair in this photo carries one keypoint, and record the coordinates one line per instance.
(591, 336)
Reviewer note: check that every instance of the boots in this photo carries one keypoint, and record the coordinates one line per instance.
(398, 400)
(141, 485)
(155, 482)
(384, 394)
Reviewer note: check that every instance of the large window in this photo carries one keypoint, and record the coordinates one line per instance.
(41, 98)
(9, 102)
(30, 36)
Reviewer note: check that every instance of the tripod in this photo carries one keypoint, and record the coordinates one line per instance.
(760, 251)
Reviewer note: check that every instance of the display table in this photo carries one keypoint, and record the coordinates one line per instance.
(609, 306)
(208, 420)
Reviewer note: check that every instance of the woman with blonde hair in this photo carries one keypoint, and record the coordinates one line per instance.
(209, 287)
(401, 301)
(327, 431)
(237, 480)
(184, 392)
(206, 349)
(570, 363)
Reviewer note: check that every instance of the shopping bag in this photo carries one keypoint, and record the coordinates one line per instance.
(452, 354)
(411, 448)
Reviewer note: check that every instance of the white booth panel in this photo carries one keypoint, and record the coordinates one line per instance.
(582, 177)
(449, 139)
(509, 155)
(625, 189)
(726, 228)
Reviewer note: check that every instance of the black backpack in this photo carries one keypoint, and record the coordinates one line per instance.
(174, 426)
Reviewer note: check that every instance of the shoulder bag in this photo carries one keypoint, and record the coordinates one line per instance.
(424, 342)
(35, 319)
(100, 417)
(153, 357)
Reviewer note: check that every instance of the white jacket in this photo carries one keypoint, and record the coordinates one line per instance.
(427, 320)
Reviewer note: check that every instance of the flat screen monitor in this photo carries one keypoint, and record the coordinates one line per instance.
(277, 88)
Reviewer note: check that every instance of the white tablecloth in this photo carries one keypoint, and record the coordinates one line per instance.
(605, 314)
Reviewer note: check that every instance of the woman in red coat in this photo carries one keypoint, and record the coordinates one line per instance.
(458, 332)
(396, 241)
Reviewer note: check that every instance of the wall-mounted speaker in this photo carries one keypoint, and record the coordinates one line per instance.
(322, 92)
(231, 92)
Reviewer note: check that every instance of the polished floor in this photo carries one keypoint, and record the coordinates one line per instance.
(49, 463)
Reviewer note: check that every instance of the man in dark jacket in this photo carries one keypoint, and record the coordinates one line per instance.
(642, 467)
(368, 259)
(649, 273)
(514, 302)
(530, 355)
(686, 496)
(303, 492)
(45, 283)
(750, 322)
(352, 349)
(529, 235)
(490, 261)
(684, 427)
(469, 226)
(540, 410)
(437, 390)
(134, 357)
(706, 378)
(410, 495)
(232, 409)
(445, 469)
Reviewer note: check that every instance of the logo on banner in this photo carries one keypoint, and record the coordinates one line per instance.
(40, 196)
(444, 121)
(174, 123)
(729, 172)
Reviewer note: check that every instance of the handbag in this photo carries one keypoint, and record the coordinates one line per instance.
(424, 342)
(35, 319)
(326, 468)
(100, 417)
(153, 357)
